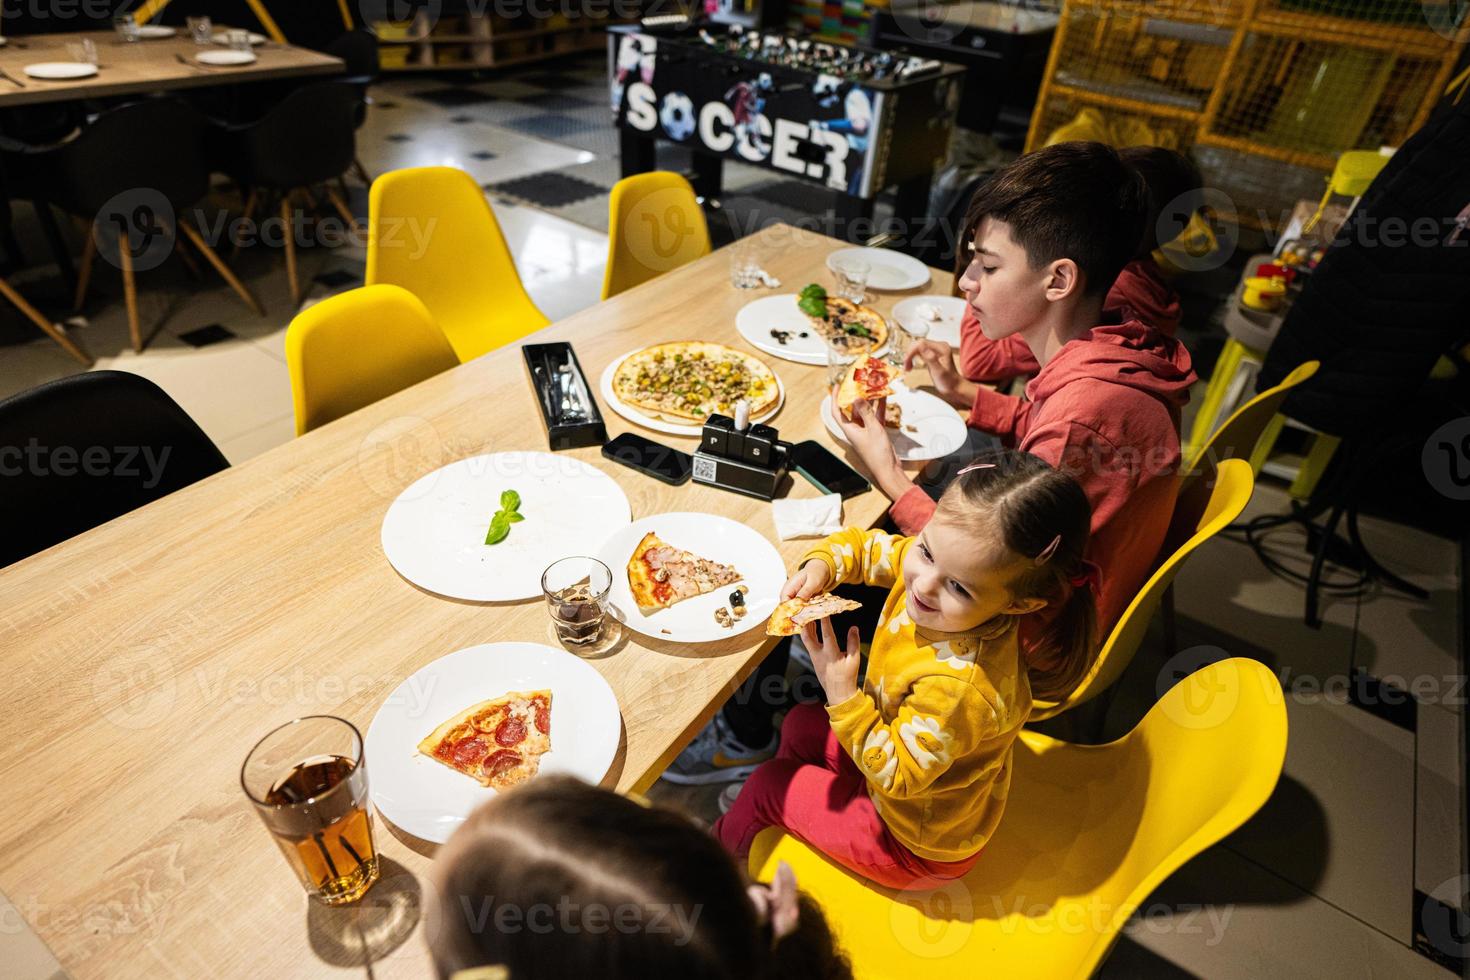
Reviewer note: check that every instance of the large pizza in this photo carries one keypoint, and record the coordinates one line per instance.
(862, 328)
(688, 381)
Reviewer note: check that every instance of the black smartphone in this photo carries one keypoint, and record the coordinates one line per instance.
(650, 458)
(825, 471)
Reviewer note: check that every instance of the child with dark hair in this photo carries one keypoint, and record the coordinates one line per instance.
(1045, 239)
(1141, 291)
(559, 879)
(905, 778)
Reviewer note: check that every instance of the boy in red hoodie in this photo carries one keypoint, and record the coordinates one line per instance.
(1141, 291)
(1046, 237)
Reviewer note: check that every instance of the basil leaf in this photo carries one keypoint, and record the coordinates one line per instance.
(499, 528)
(514, 517)
(510, 500)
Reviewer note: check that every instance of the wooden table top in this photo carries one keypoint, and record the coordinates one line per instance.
(144, 658)
(143, 66)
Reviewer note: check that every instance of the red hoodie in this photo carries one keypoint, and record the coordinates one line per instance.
(1139, 293)
(1106, 411)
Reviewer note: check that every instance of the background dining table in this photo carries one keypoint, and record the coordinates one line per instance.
(150, 65)
(144, 658)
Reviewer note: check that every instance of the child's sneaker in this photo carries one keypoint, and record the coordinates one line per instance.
(716, 756)
(728, 794)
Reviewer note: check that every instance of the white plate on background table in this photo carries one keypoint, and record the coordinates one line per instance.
(57, 71)
(637, 417)
(930, 426)
(758, 318)
(255, 39)
(887, 269)
(434, 533)
(946, 328)
(225, 58)
(151, 32)
(430, 800)
(708, 536)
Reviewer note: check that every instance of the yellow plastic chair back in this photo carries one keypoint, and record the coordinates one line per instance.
(357, 347)
(1089, 831)
(654, 224)
(1232, 491)
(431, 231)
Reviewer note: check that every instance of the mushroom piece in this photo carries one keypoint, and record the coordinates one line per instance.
(660, 574)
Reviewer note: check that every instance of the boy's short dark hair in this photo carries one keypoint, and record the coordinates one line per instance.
(1076, 201)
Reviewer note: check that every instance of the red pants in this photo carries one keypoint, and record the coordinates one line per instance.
(818, 794)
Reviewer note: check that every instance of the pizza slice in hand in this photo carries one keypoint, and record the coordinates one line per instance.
(499, 742)
(660, 575)
(791, 615)
(869, 378)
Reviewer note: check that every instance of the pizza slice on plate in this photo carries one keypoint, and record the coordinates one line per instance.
(869, 378)
(660, 575)
(498, 742)
(791, 615)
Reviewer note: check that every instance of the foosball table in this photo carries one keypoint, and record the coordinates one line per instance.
(855, 120)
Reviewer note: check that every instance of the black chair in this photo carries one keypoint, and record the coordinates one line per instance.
(359, 53)
(78, 452)
(128, 176)
(55, 331)
(307, 140)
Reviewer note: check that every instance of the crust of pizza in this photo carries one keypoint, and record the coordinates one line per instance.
(761, 389)
(879, 376)
(791, 615)
(849, 312)
(500, 728)
(652, 595)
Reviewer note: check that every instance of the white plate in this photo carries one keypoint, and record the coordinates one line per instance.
(605, 388)
(434, 533)
(887, 269)
(931, 427)
(225, 57)
(946, 328)
(430, 800)
(708, 536)
(758, 318)
(155, 31)
(61, 70)
(255, 39)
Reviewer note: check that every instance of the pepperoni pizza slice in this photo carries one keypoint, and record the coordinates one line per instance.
(869, 378)
(498, 742)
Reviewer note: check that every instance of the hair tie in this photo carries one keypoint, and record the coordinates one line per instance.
(1088, 574)
(974, 466)
(1048, 551)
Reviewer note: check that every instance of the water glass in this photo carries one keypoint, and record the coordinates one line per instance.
(238, 40)
(201, 29)
(576, 597)
(904, 338)
(842, 351)
(745, 267)
(83, 51)
(126, 27)
(852, 277)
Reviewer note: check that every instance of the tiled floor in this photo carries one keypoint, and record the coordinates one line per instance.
(1322, 883)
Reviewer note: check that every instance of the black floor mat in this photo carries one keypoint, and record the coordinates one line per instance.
(454, 96)
(548, 190)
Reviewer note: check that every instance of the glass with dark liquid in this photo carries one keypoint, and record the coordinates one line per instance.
(309, 785)
(576, 596)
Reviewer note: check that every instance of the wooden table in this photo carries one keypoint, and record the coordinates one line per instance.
(144, 66)
(144, 658)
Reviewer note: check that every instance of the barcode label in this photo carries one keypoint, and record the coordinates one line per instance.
(704, 468)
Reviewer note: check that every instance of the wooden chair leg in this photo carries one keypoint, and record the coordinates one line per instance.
(361, 172)
(290, 236)
(84, 278)
(249, 214)
(47, 327)
(130, 290)
(182, 252)
(340, 204)
(219, 266)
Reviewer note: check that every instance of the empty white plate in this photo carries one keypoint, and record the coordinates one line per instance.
(887, 269)
(255, 39)
(56, 71)
(155, 31)
(930, 427)
(434, 533)
(225, 57)
(430, 800)
(708, 536)
(951, 309)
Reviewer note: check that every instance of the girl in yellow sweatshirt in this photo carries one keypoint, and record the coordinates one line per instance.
(905, 777)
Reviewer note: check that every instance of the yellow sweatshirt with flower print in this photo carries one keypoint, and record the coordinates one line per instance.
(934, 724)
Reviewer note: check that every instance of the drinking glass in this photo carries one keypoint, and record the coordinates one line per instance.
(83, 51)
(745, 267)
(852, 277)
(201, 29)
(126, 27)
(576, 596)
(310, 786)
(904, 338)
(842, 351)
(238, 40)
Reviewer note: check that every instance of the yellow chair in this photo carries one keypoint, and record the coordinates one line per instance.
(1231, 492)
(357, 347)
(431, 231)
(654, 224)
(1089, 831)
